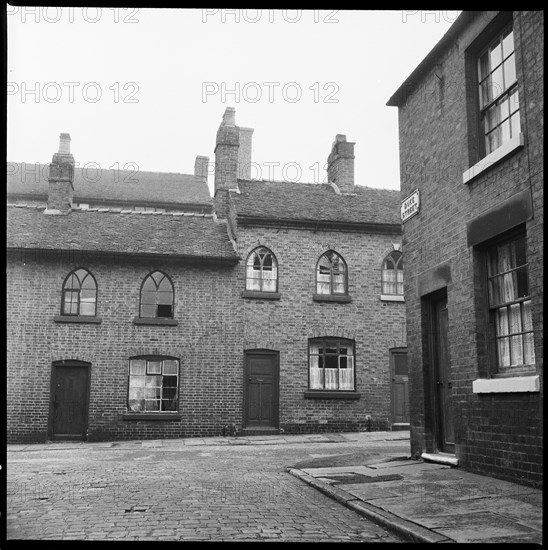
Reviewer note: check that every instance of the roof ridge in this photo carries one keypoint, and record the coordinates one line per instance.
(114, 211)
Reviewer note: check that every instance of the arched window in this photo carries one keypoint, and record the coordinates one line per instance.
(157, 296)
(79, 294)
(392, 274)
(331, 274)
(261, 271)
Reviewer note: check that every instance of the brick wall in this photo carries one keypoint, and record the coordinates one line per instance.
(496, 434)
(207, 341)
(285, 325)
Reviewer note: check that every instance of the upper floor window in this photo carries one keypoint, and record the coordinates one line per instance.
(498, 92)
(157, 296)
(331, 274)
(392, 274)
(261, 271)
(331, 364)
(153, 384)
(79, 294)
(510, 303)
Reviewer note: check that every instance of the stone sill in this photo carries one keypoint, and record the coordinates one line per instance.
(515, 143)
(91, 320)
(258, 295)
(331, 298)
(155, 321)
(330, 394)
(392, 298)
(151, 416)
(516, 384)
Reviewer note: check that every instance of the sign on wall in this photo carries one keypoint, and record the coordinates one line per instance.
(410, 206)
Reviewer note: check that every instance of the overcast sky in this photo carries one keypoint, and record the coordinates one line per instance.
(147, 88)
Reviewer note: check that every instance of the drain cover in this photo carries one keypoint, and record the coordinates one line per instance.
(347, 479)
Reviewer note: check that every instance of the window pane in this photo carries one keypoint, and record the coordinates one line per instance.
(148, 311)
(89, 282)
(165, 298)
(137, 381)
(269, 285)
(137, 366)
(71, 303)
(169, 404)
(508, 44)
(323, 288)
(171, 366)
(152, 393)
(136, 393)
(165, 285)
(528, 339)
(148, 298)
(492, 118)
(346, 377)
(483, 66)
(509, 71)
(149, 285)
(339, 288)
(515, 124)
(152, 405)
(503, 345)
(87, 309)
(154, 367)
(505, 131)
(331, 379)
(496, 55)
(514, 101)
(87, 295)
(136, 405)
(497, 83)
(157, 276)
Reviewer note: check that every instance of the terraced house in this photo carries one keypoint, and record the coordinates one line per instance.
(471, 154)
(141, 307)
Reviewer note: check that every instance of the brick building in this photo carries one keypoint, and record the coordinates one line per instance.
(471, 156)
(140, 307)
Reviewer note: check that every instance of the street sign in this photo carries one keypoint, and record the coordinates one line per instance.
(410, 206)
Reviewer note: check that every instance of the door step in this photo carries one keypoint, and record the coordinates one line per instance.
(441, 458)
(260, 431)
(400, 426)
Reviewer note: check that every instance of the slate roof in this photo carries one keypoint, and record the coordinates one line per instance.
(120, 232)
(290, 201)
(96, 185)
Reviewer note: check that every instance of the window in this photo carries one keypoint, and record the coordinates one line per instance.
(510, 303)
(262, 271)
(157, 296)
(498, 92)
(392, 274)
(153, 384)
(79, 294)
(331, 274)
(331, 364)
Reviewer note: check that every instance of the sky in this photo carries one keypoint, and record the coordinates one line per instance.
(146, 89)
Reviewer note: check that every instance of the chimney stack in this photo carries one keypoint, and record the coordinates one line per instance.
(244, 153)
(340, 164)
(226, 152)
(200, 167)
(60, 179)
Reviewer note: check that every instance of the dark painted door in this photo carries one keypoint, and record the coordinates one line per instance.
(400, 387)
(261, 390)
(442, 378)
(69, 401)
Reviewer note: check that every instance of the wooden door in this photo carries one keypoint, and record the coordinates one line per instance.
(442, 378)
(261, 390)
(400, 386)
(69, 400)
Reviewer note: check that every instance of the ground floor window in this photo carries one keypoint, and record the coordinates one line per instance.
(510, 302)
(331, 364)
(153, 384)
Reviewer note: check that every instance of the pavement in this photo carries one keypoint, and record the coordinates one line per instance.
(418, 501)
(425, 501)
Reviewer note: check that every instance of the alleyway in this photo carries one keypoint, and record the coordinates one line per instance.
(205, 489)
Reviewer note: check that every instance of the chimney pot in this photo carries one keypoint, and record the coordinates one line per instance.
(64, 144)
(229, 118)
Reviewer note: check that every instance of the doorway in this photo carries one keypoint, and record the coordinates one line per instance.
(69, 400)
(261, 390)
(399, 376)
(440, 375)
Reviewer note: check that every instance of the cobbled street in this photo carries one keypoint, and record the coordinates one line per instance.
(206, 489)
